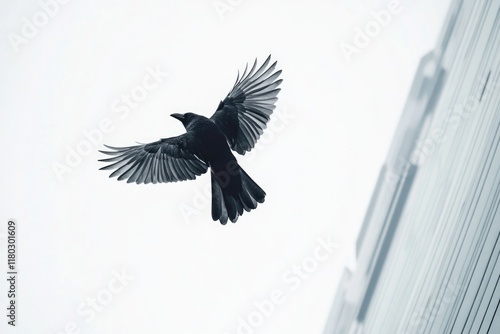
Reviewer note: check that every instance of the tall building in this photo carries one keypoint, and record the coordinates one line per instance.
(428, 252)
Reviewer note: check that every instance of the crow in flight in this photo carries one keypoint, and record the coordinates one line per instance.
(236, 125)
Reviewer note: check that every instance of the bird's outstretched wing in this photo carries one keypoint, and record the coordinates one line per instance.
(167, 160)
(245, 111)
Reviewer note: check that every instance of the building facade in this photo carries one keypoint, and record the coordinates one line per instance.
(428, 252)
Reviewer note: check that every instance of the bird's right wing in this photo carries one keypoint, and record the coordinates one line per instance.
(244, 113)
(167, 160)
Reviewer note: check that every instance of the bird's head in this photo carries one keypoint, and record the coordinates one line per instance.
(186, 118)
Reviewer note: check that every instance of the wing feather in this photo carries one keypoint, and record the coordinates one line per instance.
(167, 160)
(246, 110)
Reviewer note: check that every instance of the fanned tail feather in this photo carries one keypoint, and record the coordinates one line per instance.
(229, 205)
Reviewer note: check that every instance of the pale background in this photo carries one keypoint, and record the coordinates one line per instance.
(193, 275)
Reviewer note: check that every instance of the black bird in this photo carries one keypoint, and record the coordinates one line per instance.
(237, 124)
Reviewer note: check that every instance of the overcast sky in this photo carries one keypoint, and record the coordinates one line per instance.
(101, 256)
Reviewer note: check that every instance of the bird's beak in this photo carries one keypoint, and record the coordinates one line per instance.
(180, 117)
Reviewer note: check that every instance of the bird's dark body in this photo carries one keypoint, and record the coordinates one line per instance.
(236, 125)
(210, 145)
(208, 141)
(232, 189)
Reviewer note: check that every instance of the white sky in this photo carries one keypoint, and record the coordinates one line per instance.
(193, 275)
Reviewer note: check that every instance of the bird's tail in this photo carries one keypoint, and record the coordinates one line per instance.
(232, 195)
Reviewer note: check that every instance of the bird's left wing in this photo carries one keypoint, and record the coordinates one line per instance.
(167, 160)
(245, 111)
